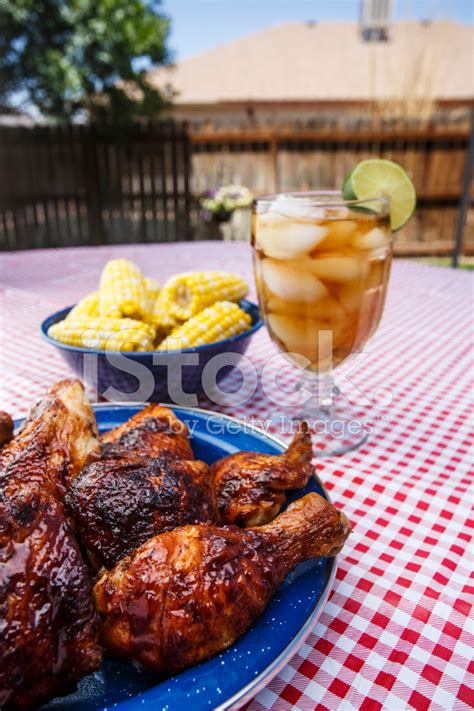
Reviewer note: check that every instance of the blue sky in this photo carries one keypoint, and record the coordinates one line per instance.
(198, 25)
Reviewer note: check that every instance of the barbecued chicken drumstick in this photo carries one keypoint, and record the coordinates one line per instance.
(190, 593)
(120, 503)
(155, 431)
(251, 487)
(49, 631)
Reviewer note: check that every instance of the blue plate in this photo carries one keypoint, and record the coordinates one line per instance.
(235, 676)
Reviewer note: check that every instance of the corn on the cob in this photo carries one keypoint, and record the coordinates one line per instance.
(221, 320)
(111, 334)
(122, 291)
(190, 293)
(152, 288)
(88, 306)
(158, 309)
(160, 317)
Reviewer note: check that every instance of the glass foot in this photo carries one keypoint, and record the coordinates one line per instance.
(339, 431)
(336, 425)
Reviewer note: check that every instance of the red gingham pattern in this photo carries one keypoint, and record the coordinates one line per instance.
(395, 633)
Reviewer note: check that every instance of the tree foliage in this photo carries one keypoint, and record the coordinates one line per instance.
(90, 58)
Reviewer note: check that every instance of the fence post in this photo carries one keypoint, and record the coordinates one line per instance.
(465, 198)
(92, 181)
(274, 161)
(187, 167)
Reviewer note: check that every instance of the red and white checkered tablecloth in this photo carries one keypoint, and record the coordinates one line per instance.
(396, 632)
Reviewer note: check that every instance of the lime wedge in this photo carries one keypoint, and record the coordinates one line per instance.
(374, 177)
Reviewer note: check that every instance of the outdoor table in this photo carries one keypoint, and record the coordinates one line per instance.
(395, 632)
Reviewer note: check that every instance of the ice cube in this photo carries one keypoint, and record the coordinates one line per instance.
(282, 238)
(312, 339)
(290, 283)
(339, 269)
(262, 207)
(350, 296)
(327, 309)
(340, 234)
(297, 208)
(339, 212)
(298, 335)
(278, 306)
(376, 273)
(375, 239)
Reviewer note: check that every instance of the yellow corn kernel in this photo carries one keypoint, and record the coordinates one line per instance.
(88, 306)
(111, 334)
(164, 302)
(122, 290)
(152, 288)
(221, 320)
(190, 293)
(160, 317)
(152, 291)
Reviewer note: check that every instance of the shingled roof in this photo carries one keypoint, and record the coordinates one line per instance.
(329, 61)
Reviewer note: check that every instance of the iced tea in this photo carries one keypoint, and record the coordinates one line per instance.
(322, 274)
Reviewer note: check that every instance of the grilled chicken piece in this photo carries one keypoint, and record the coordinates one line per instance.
(251, 487)
(153, 432)
(146, 482)
(190, 593)
(6, 428)
(120, 503)
(49, 628)
(63, 424)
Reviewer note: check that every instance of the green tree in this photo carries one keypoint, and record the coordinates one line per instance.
(90, 58)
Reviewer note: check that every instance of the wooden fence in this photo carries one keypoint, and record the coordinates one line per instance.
(278, 160)
(85, 185)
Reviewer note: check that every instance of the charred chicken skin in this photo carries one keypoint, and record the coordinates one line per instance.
(48, 628)
(250, 486)
(153, 432)
(190, 593)
(120, 503)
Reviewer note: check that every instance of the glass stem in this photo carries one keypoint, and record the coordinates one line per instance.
(321, 387)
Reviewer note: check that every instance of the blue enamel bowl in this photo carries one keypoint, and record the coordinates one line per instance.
(152, 375)
(230, 679)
